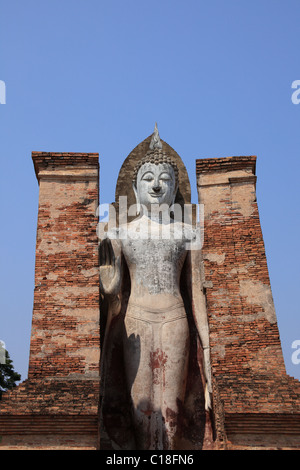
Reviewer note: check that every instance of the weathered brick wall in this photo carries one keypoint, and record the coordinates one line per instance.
(50, 413)
(244, 333)
(65, 324)
(246, 355)
(52, 396)
(57, 406)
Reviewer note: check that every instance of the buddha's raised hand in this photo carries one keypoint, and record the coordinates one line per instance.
(110, 268)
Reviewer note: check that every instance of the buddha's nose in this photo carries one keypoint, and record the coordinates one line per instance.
(156, 189)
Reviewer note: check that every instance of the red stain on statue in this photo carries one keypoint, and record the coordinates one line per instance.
(158, 359)
(157, 364)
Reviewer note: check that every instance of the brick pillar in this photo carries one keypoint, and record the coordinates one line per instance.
(65, 324)
(248, 368)
(244, 332)
(57, 406)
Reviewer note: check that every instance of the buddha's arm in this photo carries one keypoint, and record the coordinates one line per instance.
(110, 272)
(200, 316)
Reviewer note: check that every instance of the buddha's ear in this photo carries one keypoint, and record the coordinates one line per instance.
(138, 206)
(175, 192)
(135, 192)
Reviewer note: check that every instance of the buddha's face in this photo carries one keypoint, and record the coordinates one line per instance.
(156, 184)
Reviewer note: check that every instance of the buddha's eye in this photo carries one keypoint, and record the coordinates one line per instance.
(165, 177)
(147, 177)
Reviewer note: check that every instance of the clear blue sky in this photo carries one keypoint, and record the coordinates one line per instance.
(94, 76)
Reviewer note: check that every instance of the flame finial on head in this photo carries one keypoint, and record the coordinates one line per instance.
(155, 155)
(155, 140)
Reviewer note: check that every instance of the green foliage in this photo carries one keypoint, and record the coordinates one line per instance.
(8, 377)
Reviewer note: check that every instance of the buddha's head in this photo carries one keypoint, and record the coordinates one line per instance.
(155, 179)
